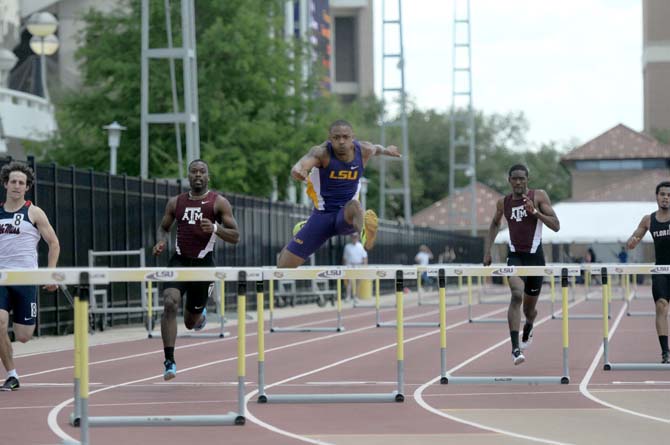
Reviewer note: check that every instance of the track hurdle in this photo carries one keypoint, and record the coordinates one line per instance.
(219, 297)
(87, 277)
(377, 305)
(632, 295)
(606, 290)
(276, 274)
(105, 309)
(564, 272)
(470, 303)
(431, 273)
(399, 273)
(572, 283)
(411, 324)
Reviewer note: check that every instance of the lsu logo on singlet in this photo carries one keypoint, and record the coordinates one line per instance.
(345, 175)
(519, 213)
(192, 215)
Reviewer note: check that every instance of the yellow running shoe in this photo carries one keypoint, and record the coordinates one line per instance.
(298, 226)
(369, 232)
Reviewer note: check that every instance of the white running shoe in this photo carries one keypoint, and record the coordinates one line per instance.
(528, 339)
(518, 357)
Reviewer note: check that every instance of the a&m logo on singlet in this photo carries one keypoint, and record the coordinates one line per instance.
(192, 215)
(519, 213)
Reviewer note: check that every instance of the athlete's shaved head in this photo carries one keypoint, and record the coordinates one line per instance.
(339, 123)
(662, 184)
(198, 160)
(517, 167)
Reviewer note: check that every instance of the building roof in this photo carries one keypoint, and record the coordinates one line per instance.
(620, 142)
(639, 187)
(593, 222)
(438, 214)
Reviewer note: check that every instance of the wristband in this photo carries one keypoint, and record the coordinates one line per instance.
(534, 211)
(216, 228)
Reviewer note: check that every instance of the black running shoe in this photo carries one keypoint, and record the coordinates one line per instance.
(527, 336)
(11, 384)
(665, 358)
(518, 357)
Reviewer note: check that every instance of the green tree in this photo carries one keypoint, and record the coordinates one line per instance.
(499, 143)
(251, 97)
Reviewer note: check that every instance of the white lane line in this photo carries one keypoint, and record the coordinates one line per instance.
(159, 351)
(250, 416)
(583, 386)
(418, 395)
(52, 418)
(644, 382)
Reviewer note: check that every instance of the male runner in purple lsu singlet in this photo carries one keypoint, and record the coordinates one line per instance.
(333, 171)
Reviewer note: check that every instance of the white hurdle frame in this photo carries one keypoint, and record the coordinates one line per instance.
(564, 271)
(219, 298)
(377, 305)
(278, 274)
(619, 269)
(399, 273)
(419, 292)
(141, 254)
(86, 277)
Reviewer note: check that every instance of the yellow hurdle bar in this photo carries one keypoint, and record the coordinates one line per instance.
(564, 326)
(606, 327)
(81, 324)
(150, 308)
(565, 272)
(260, 311)
(75, 417)
(400, 331)
(232, 418)
(442, 286)
(271, 296)
(383, 272)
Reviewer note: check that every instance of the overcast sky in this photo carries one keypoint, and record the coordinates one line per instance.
(573, 67)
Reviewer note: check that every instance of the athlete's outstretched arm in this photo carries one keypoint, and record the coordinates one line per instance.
(369, 149)
(637, 235)
(542, 209)
(494, 227)
(313, 158)
(163, 232)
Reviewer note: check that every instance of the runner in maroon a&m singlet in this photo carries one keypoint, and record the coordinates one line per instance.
(202, 216)
(525, 211)
(658, 225)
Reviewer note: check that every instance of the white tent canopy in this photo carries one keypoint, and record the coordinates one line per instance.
(593, 222)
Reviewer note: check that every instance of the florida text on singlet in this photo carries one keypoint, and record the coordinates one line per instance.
(18, 239)
(192, 241)
(330, 188)
(660, 232)
(525, 230)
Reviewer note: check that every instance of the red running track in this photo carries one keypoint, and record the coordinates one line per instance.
(613, 407)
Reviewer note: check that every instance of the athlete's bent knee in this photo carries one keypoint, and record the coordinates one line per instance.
(170, 302)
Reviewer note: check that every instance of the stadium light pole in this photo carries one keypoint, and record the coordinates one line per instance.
(42, 26)
(113, 138)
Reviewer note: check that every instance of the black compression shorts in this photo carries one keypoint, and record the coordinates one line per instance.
(197, 292)
(533, 285)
